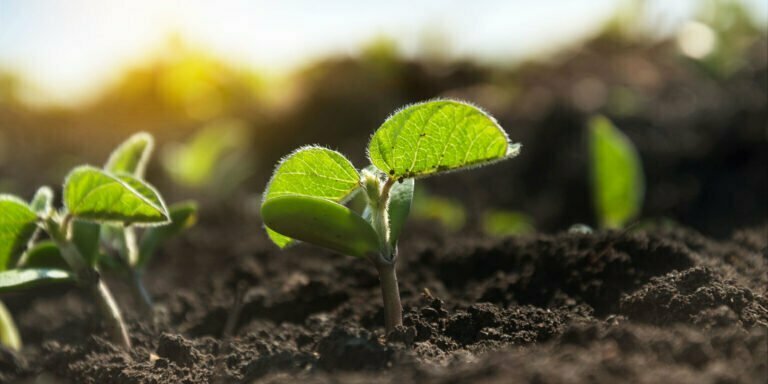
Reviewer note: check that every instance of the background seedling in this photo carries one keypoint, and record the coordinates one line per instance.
(303, 200)
(134, 252)
(617, 174)
(92, 196)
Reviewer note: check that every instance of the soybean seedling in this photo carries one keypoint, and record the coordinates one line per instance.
(303, 200)
(91, 196)
(134, 251)
(617, 174)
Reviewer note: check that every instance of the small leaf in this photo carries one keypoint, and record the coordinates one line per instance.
(132, 155)
(617, 174)
(44, 254)
(314, 172)
(9, 333)
(183, 216)
(42, 202)
(144, 189)
(438, 136)
(400, 198)
(17, 279)
(320, 222)
(96, 195)
(85, 235)
(17, 225)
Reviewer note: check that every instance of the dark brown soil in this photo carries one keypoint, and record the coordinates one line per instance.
(665, 305)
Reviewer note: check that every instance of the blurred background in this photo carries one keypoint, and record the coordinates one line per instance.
(227, 88)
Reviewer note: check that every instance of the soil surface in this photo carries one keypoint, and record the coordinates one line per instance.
(657, 305)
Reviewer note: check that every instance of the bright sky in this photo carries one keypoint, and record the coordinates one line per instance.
(67, 48)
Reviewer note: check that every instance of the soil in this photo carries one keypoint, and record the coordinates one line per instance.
(636, 306)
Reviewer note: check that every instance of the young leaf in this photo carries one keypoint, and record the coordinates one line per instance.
(183, 216)
(132, 155)
(617, 174)
(92, 194)
(314, 172)
(16, 279)
(9, 333)
(44, 254)
(438, 136)
(400, 198)
(85, 235)
(320, 222)
(42, 202)
(17, 225)
(145, 190)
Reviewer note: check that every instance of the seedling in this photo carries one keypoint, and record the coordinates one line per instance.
(304, 198)
(617, 174)
(92, 196)
(133, 251)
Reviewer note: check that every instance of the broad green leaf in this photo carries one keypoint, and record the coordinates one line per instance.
(9, 334)
(17, 279)
(144, 189)
(17, 225)
(96, 195)
(132, 155)
(438, 136)
(314, 172)
(320, 222)
(85, 235)
(183, 216)
(44, 254)
(617, 174)
(42, 202)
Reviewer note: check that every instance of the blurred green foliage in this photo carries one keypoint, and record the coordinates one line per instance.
(450, 213)
(617, 174)
(500, 223)
(214, 160)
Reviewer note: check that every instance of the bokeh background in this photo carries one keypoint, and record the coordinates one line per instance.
(228, 88)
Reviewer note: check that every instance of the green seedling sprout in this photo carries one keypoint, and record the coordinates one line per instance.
(617, 174)
(304, 199)
(91, 196)
(134, 251)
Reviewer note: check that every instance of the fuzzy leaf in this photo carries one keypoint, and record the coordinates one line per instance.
(320, 222)
(96, 195)
(17, 279)
(132, 155)
(183, 216)
(314, 172)
(44, 254)
(17, 225)
(42, 202)
(617, 174)
(438, 136)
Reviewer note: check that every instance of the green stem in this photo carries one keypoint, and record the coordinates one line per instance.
(113, 320)
(89, 277)
(393, 310)
(140, 293)
(386, 260)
